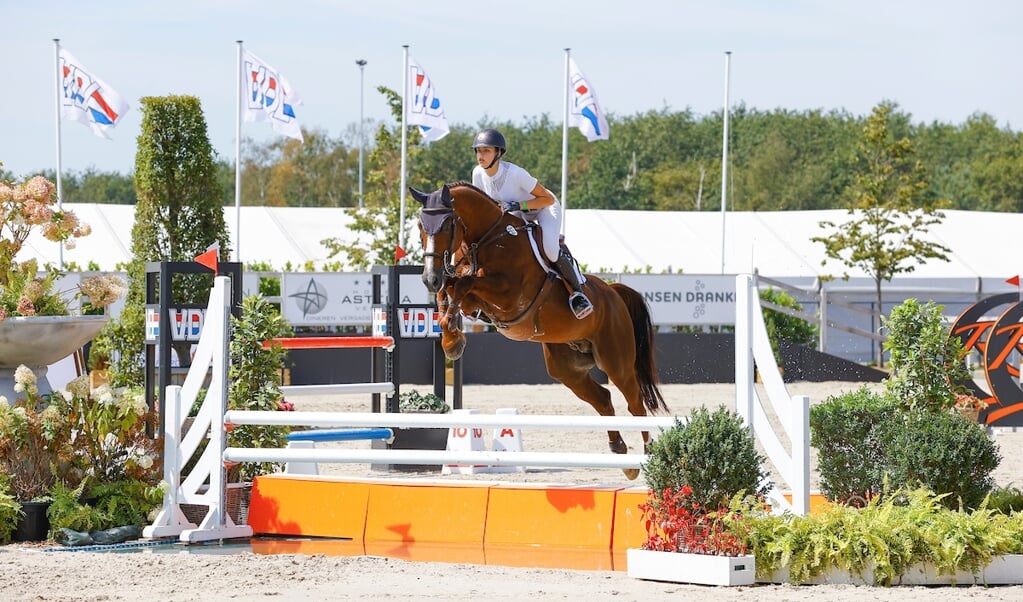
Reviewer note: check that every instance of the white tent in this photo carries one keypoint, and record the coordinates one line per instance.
(985, 247)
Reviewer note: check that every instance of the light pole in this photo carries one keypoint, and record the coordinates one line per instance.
(362, 72)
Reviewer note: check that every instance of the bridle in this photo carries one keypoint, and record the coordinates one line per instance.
(446, 214)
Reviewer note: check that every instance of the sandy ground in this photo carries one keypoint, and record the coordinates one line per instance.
(27, 573)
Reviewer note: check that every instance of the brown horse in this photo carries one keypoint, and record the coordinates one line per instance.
(478, 258)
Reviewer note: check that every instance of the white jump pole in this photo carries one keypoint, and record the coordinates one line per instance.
(434, 457)
(340, 419)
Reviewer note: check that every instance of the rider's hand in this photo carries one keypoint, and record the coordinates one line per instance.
(511, 206)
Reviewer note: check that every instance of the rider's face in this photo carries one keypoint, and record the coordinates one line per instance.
(485, 155)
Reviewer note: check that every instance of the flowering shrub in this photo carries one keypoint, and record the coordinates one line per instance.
(73, 434)
(22, 292)
(34, 441)
(676, 523)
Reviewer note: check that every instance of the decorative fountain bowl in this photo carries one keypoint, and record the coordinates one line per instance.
(38, 342)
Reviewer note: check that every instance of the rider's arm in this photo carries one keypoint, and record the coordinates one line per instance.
(541, 198)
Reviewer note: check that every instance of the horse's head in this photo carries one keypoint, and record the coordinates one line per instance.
(438, 234)
(450, 217)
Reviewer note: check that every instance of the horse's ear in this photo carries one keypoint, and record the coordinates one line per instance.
(417, 195)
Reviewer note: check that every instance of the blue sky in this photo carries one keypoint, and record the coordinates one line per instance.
(940, 60)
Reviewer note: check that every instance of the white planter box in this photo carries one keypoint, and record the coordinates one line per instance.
(1003, 570)
(702, 569)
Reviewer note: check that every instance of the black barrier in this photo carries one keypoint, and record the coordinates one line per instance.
(172, 326)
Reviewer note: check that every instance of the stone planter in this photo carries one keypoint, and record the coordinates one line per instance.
(40, 341)
(700, 569)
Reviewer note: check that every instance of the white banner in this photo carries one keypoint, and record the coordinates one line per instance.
(341, 298)
(685, 298)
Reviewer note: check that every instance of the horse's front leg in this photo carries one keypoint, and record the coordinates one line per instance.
(452, 339)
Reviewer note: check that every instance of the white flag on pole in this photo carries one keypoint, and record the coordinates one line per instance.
(87, 99)
(584, 110)
(424, 106)
(267, 96)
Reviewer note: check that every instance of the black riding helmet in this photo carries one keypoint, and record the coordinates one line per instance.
(492, 138)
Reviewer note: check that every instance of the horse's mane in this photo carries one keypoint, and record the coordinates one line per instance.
(471, 186)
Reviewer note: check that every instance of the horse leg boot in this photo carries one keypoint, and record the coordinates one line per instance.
(577, 300)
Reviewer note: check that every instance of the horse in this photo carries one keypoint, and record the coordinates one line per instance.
(477, 258)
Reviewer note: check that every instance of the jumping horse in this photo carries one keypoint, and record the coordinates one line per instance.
(478, 258)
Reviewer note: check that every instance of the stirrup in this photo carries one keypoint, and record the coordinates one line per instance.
(580, 305)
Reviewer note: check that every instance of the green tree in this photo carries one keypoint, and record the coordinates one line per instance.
(376, 224)
(890, 207)
(179, 215)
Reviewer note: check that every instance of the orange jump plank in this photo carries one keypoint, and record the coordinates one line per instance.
(550, 515)
(629, 530)
(308, 505)
(427, 512)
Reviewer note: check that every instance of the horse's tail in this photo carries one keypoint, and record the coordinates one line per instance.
(643, 330)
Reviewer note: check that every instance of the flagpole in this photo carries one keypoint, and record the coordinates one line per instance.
(724, 162)
(404, 143)
(60, 188)
(238, 156)
(564, 145)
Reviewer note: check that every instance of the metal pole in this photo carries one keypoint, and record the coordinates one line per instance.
(362, 137)
(724, 162)
(60, 188)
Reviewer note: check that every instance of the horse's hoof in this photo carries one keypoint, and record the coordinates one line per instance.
(618, 447)
(455, 350)
(631, 473)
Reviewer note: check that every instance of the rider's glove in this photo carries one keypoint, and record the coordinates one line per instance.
(511, 206)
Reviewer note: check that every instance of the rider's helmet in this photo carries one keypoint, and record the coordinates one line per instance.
(490, 137)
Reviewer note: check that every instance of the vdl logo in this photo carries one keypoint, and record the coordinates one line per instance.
(312, 300)
(418, 322)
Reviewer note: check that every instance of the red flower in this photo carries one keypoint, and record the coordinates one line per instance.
(687, 490)
(285, 406)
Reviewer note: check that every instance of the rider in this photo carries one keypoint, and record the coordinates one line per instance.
(518, 191)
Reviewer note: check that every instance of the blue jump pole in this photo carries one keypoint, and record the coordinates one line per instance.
(341, 435)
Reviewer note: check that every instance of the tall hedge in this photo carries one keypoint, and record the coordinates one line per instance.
(179, 215)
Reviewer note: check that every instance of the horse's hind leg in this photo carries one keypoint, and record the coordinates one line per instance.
(572, 369)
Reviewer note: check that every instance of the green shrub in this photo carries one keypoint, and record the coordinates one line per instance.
(713, 453)
(925, 361)
(945, 453)
(846, 430)
(10, 511)
(255, 378)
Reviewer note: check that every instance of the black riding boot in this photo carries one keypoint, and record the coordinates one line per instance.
(577, 300)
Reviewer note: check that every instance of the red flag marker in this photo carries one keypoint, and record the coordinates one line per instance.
(1014, 280)
(398, 254)
(210, 258)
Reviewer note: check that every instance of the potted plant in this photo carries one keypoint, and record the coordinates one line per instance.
(412, 401)
(77, 435)
(696, 472)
